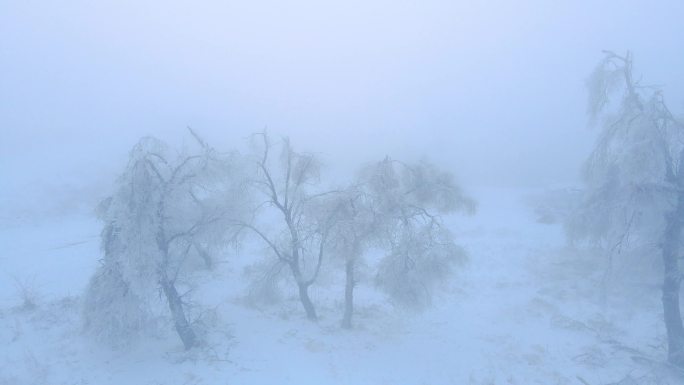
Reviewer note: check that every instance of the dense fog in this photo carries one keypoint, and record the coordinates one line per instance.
(360, 192)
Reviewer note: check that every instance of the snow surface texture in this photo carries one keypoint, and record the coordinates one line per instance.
(527, 309)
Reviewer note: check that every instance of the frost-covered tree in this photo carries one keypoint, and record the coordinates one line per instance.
(396, 208)
(301, 231)
(391, 206)
(634, 182)
(410, 199)
(354, 231)
(167, 211)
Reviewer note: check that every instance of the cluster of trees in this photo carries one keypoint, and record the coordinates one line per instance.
(634, 181)
(172, 211)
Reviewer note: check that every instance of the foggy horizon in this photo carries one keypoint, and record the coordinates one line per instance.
(494, 90)
(482, 248)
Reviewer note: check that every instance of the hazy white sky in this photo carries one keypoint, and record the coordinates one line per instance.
(493, 89)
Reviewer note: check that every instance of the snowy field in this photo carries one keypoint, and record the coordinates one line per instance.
(527, 309)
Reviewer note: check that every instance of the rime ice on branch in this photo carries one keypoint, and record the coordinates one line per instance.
(169, 210)
(634, 180)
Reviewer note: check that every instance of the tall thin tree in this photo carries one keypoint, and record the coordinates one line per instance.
(634, 179)
(299, 240)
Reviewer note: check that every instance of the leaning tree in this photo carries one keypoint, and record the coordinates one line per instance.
(634, 181)
(167, 209)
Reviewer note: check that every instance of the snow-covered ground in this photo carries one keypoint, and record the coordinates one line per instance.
(527, 309)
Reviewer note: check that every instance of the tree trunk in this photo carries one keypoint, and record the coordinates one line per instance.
(348, 295)
(183, 328)
(303, 288)
(306, 302)
(671, 286)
